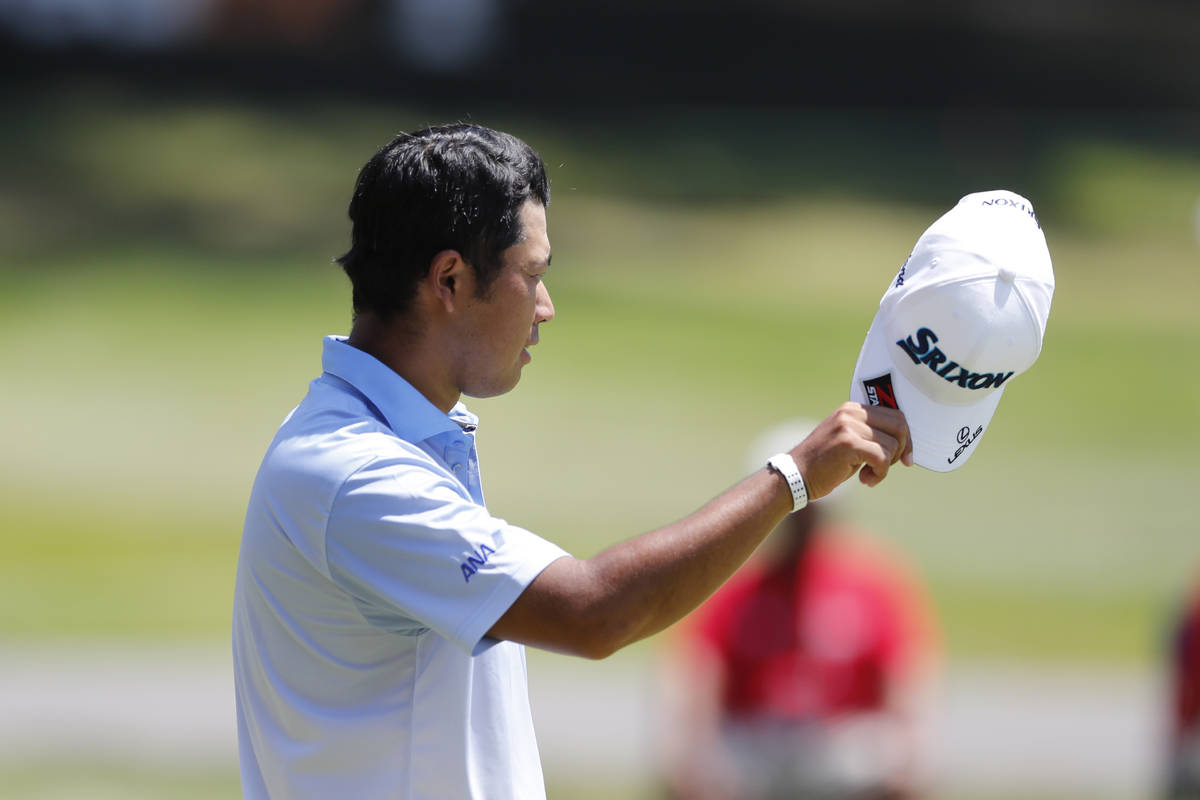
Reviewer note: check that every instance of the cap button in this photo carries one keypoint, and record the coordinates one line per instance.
(1007, 275)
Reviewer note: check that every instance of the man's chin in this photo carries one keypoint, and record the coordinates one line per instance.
(494, 388)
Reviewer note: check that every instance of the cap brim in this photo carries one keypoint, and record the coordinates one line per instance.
(944, 436)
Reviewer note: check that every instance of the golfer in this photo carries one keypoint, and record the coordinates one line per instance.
(381, 611)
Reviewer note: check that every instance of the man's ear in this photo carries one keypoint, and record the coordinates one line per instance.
(450, 279)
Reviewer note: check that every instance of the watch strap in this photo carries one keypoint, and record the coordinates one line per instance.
(785, 465)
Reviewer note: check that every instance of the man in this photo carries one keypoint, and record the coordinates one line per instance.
(380, 609)
(1183, 761)
(806, 675)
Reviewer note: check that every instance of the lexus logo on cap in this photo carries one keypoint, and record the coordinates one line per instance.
(965, 439)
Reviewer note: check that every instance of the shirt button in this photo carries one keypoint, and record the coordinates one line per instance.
(458, 467)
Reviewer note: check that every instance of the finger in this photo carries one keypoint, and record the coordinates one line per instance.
(869, 477)
(892, 422)
(888, 443)
(877, 460)
(887, 419)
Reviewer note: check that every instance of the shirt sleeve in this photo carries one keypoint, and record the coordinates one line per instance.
(406, 540)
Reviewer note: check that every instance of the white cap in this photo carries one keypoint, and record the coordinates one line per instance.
(964, 316)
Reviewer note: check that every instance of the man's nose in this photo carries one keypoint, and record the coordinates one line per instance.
(545, 306)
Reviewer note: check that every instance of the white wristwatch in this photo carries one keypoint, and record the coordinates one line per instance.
(785, 465)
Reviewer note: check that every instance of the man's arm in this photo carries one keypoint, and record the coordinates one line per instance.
(634, 589)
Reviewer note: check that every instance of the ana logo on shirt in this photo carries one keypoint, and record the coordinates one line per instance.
(475, 561)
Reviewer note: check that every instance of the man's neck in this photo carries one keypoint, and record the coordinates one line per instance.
(395, 344)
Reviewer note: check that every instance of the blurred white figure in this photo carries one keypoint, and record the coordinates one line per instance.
(807, 675)
(444, 35)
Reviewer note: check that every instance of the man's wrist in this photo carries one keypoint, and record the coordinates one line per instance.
(785, 465)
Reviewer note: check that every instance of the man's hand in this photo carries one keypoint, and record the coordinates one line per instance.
(854, 438)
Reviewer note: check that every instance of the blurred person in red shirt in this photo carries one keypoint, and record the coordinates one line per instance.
(807, 675)
(1184, 778)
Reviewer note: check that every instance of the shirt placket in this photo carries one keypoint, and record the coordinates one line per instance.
(460, 459)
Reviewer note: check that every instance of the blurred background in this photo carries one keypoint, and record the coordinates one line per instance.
(734, 185)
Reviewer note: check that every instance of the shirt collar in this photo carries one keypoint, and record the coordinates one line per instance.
(407, 412)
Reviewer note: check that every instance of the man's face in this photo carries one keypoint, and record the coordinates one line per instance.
(502, 325)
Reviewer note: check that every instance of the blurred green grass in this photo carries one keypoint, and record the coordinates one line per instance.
(98, 781)
(166, 281)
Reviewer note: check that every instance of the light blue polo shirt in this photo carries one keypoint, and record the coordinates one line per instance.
(370, 572)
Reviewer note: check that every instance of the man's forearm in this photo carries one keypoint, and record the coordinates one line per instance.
(656, 579)
(638, 587)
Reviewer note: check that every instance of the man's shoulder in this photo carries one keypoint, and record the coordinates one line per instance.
(329, 437)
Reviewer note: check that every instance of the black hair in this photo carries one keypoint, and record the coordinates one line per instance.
(450, 187)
